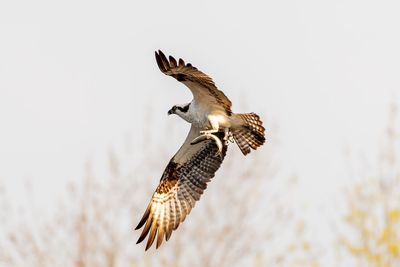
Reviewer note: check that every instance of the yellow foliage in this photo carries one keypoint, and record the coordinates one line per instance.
(394, 249)
(374, 258)
(394, 215)
(384, 236)
(378, 239)
(374, 211)
(355, 250)
(356, 215)
(306, 246)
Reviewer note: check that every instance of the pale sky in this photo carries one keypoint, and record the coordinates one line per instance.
(79, 77)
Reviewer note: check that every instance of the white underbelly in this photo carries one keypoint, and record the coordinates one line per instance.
(204, 119)
(219, 120)
(201, 122)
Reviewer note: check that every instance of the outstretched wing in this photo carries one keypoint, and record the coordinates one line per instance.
(181, 185)
(202, 86)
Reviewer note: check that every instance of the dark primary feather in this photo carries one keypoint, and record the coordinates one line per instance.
(181, 185)
(201, 85)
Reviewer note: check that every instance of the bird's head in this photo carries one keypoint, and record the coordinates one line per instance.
(179, 110)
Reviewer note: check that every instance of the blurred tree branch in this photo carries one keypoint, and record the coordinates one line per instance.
(373, 237)
(93, 224)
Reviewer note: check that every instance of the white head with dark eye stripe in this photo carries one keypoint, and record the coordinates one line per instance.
(180, 110)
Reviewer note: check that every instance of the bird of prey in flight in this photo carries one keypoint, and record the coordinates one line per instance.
(213, 125)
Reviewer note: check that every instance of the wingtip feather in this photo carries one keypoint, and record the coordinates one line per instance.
(160, 237)
(152, 236)
(164, 60)
(159, 62)
(144, 218)
(168, 234)
(173, 62)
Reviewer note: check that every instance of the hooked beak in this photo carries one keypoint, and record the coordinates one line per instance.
(170, 112)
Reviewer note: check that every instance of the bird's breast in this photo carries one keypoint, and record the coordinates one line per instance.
(198, 116)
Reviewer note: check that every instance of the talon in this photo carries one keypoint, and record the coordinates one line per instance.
(231, 139)
(208, 131)
(227, 133)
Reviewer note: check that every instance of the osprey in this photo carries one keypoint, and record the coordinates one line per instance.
(213, 124)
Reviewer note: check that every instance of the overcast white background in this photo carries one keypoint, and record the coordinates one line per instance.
(79, 77)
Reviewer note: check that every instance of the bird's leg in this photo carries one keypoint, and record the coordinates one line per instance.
(228, 136)
(214, 126)
(207, 132)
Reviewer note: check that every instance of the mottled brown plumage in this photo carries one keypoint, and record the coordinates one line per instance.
(251, 135)
(194, 79)
(181, 185)
(192, 167)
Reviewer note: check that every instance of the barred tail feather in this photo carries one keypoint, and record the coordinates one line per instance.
(250, 134)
